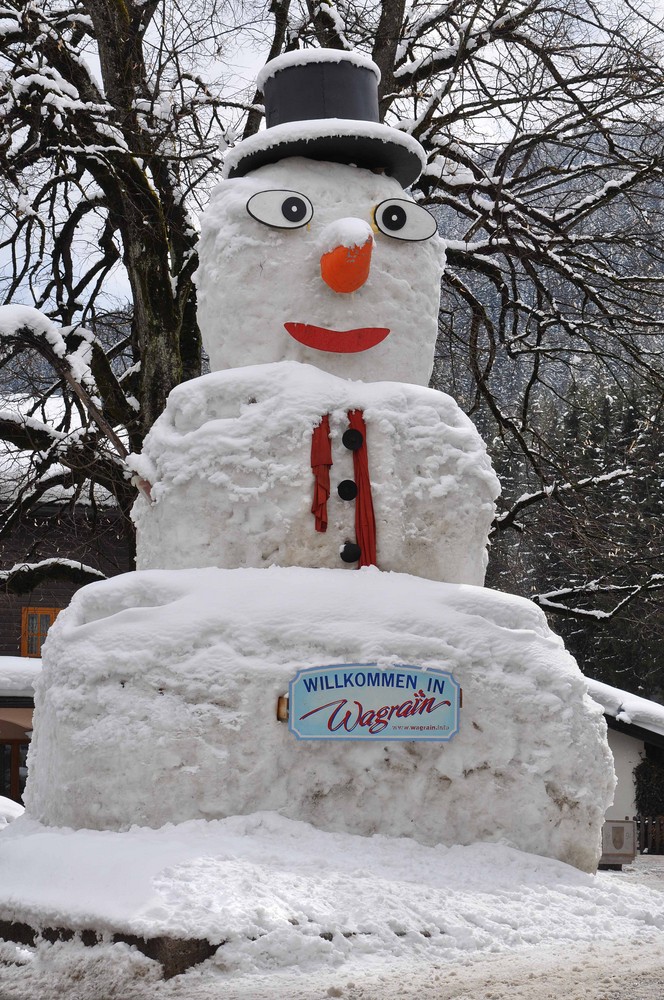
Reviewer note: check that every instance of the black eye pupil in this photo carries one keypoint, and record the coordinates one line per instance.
(293, 209)
(394, 218)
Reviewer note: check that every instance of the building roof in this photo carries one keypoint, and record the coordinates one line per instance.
(18, 675)
(629, 709)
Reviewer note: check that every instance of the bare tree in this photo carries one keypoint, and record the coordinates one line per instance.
(109, 130)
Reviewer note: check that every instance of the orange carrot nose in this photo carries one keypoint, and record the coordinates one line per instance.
(345, 269)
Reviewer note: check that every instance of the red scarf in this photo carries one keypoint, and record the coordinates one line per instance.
(321, 462)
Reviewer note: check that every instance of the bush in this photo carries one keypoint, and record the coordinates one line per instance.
(649, 778)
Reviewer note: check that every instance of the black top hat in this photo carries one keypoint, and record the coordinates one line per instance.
(323, 104)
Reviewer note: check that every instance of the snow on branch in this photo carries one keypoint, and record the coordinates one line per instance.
(553, 601)
(526, 500)
(24, 321)
(610, 189)
(330, 19)
(27, 433)
(469, 40)
(69, 351)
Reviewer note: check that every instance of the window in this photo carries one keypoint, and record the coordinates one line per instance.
(34, 626)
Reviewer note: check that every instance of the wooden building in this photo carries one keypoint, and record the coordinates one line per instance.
(80, 534)
(93, 536)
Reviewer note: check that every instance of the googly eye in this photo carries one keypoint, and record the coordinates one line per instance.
(404, 220)
(281, 209)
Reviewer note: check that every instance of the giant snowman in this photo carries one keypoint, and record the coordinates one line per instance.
(312, 504)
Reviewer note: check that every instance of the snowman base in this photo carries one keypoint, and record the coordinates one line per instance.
(158, 705)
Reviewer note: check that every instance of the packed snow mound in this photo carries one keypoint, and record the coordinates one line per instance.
(253, 279)
(9, 811)
(158, 703)
(230, 466)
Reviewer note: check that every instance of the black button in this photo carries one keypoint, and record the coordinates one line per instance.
(347, 489)
(352, 439)
(351, 552)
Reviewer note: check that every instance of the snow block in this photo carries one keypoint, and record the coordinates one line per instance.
(158, 699)
(230, 466)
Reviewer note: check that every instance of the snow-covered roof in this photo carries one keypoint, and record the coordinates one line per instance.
(628, 708)
(18, 675)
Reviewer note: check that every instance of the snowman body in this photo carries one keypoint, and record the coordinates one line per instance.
(235, 447)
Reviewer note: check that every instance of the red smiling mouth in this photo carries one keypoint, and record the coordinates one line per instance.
(337, 341)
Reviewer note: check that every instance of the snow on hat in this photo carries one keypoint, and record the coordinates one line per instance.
(323, 104)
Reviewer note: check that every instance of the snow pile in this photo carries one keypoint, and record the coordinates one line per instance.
(187, 666)
(280, 894)
(628, 708)
(18, 675)
(9, 811)
(230, 466)
(253, 279)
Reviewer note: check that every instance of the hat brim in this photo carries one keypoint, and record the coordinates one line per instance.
(364, 144)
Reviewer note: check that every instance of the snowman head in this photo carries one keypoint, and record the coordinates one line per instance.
(311, 250)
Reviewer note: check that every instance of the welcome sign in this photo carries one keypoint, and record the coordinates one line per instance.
(361, 701)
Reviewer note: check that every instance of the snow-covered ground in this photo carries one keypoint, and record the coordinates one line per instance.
(307, 914)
